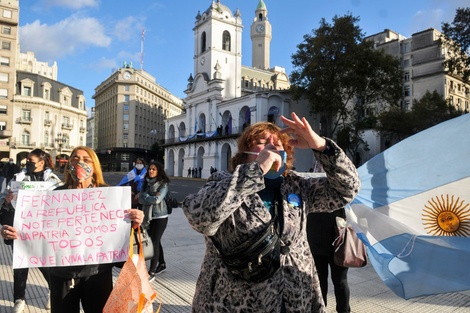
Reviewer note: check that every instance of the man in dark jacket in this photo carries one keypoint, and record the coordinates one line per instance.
(9, 170)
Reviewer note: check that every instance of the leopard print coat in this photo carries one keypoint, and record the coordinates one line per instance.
(229, 209)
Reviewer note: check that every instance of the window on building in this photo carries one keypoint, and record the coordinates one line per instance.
(26, 115)
(407, 92)
(65, 120)
(3, 93)
(125, 157)
(3, 109)
(406, 105)
(125, 117)
(406, 76)
(3, 125)
(25, 138)
(126, 108)
(26, 91)
(6, 45)
(46, 115)
(127, 88)
(126, 98)
(226, 41)
(125, 126)
(125, 136)
(406, 62)
(46, 138)
(47, 94)
(4, 77)
(203, 42)
(7, 13)
(4, 61)
(6, 30)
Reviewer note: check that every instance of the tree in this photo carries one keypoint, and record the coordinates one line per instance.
(396, 124)
(456, 37)
(343, 77)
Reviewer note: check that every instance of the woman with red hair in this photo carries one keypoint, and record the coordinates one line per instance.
(254, 221)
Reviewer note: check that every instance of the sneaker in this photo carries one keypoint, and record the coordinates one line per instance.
(20, 304)
(151, 277)
(160, 268)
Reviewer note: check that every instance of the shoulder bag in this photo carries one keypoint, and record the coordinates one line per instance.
(258, 258)
(350, 251)
(147, 244)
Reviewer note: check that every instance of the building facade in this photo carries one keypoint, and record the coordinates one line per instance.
(130, 110)
(9, 17)
(422, 57)
(223, 96)
(48, 115)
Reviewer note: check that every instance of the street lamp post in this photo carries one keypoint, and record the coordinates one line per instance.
(60, 139)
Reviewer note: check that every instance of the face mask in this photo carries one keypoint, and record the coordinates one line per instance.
(139, 166)
(80, 171)
(272, 173)
(11, 162)
(30, 167)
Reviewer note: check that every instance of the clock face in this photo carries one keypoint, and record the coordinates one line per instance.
(126, 75)
(260, 28)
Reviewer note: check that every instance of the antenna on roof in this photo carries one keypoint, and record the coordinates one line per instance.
(142, 37)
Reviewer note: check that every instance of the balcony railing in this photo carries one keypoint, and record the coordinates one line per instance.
(67, 126)
(212, 135)
(24, 120)
(82, 129)
(47, 122)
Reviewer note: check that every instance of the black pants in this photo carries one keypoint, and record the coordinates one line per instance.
(339, 277)
(92, 292)
(157, 227)
(20, 277)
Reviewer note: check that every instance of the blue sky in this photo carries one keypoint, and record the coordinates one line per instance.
(91, 38)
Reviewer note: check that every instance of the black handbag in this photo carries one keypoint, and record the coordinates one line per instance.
(147, 244)
(258, 258)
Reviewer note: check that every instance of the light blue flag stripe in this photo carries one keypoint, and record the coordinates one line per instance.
(415, 260)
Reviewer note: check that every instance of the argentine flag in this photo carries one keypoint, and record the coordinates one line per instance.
(413, 211)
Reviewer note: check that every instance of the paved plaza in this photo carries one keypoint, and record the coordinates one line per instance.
(184, 250)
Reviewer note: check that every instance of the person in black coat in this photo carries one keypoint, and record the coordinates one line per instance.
(321, 232)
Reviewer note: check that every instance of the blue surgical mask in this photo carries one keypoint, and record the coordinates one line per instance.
(272, 173)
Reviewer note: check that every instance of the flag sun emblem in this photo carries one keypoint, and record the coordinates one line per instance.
(444, 216)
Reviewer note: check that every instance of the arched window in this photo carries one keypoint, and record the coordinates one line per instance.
(226, 41)
(203, 42)
(260, 17)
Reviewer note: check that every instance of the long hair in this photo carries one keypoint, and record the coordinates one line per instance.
(98, 178)
(161, 174)
(44, 156)
(252, 134)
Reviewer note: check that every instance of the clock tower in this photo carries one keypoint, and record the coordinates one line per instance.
(261, 34)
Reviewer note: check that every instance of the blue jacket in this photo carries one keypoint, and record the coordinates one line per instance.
(152, 197)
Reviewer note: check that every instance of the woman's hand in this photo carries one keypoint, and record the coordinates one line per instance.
(304, 136)
(136, 216)
(9, 232)
(269, 158)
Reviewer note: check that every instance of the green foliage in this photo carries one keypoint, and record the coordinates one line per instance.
(457, 40)
(432, 109)
(343, 77)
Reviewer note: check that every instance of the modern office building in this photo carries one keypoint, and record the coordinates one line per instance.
(130, 110)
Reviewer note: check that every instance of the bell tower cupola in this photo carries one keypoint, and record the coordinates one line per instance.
(261, 34)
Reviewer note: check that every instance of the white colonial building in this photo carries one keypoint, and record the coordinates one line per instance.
(224, 96)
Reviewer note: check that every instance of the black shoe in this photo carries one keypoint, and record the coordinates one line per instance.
(151, 277)
(160, 268)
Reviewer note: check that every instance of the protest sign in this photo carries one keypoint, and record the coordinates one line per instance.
(72, 227)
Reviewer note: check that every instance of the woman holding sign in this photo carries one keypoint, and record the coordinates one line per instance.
(38, 168)
(89, 284)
